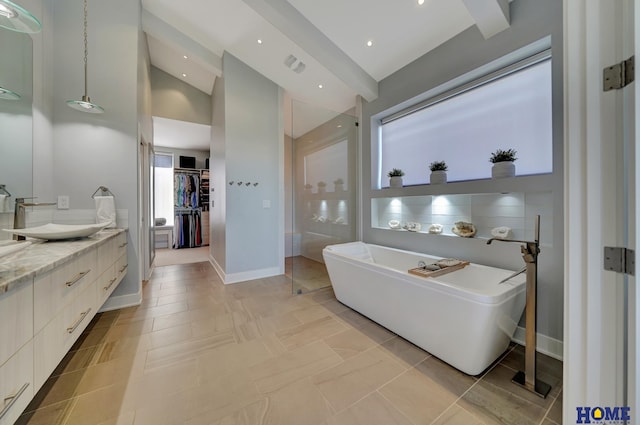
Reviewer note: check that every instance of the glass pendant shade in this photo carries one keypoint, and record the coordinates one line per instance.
(85, 105)
(15, 18)
(7, 94)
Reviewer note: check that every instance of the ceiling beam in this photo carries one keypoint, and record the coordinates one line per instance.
(491, 16)
(288, 20)
(162, 31)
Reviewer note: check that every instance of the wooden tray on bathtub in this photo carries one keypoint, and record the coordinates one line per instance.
(419, 271)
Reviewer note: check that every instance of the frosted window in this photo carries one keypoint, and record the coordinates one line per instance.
(163, 187)
(327, 165)
(511, 112)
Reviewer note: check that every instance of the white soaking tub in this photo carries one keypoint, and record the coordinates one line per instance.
(465, 317)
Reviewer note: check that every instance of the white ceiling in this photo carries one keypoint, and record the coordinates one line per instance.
(329, 36)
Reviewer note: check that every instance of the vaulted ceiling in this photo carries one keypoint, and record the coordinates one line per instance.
(316, 50)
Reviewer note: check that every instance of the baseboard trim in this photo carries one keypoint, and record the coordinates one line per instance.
(228, 278)
(121, 301)
(544, 344)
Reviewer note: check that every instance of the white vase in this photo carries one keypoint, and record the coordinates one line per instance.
(503, 169)
(438, 177)
(395, 181)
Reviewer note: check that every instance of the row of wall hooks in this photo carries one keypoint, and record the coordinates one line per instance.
(232, 182)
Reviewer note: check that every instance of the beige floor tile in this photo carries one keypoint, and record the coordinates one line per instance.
(555, 413)
(122, 348)
(350, 343)
(495, 406)
(418, 397)
(75, 360)
(131, 329)
(291, 366)
(170, 336)
(211, 325)
(548, 369)
(171, 320)
(404, 351)
(54, 414)
(183, 351)
(446, 376)
(356, 377)
(501, 376)
(299, 403)
(309, 332)
(312, 312)
(205, 403)
(373, 409)
(126, 419)
(456, 415)
(264, 326)
(92, 408)
(232, 358)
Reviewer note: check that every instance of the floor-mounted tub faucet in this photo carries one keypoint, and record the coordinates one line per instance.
(530, 251)
(19, 214)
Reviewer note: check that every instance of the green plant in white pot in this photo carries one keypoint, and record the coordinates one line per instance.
(339, 185)
(395, 177)
(503, 163)
(322, 187)
(438, 172)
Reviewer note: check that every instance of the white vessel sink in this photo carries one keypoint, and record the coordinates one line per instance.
(9, 247)
(53, 231)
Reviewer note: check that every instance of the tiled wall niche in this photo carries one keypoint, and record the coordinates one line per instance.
(486, 211)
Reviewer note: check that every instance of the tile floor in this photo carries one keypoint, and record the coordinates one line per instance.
(199, 352)
(308, 275)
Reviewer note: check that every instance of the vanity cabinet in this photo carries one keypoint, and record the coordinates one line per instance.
(44, 314)
(16, 352)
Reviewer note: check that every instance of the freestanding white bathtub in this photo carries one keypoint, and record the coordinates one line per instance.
(465, 317)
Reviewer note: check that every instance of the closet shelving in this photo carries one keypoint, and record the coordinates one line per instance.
(187, 229)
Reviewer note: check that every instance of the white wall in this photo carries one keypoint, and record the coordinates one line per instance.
(253, 152)
(93, 150)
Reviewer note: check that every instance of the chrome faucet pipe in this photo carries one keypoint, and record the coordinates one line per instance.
(19, 214)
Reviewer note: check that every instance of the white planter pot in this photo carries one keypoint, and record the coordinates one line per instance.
(438, 177)
(503, 169)
(395, 181)
(339, 187)
(322, 189)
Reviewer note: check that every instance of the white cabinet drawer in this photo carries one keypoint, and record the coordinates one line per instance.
(16, 384)
(57, 337)
(16, 319)
(53, 291)
(107, 254)
(105, 285)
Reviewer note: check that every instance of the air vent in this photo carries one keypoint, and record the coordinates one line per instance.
(294, 64)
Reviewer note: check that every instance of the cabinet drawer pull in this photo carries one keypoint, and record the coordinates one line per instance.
(9, 401)
(110, 283)
(123, 268)
(82, 316)
(77, 278)
(123, 245)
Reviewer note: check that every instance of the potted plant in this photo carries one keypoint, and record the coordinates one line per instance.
(308, 187)
(322, 186)
(503, 165)
(339, 185)
(438, 172)
(395, 177)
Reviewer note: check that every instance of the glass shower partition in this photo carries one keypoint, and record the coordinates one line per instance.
(323, 149)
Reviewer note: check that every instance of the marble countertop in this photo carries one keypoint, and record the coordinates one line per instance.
(42, 256)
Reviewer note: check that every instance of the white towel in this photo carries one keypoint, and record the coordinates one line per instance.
(3, 203)
(105, 210)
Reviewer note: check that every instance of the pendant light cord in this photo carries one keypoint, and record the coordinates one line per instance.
(86, 50)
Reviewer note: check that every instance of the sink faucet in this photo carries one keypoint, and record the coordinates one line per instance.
(530, 251)
(19, 214)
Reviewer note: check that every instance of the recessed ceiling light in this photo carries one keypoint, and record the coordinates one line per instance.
(184, 75)
(320, 86)
(369, 43)
(420, 2)
(259, 41)
(185, 56)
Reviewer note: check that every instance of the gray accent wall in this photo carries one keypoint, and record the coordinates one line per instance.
(93, 150)
(248, 143)
(177, 100)
(531, 21)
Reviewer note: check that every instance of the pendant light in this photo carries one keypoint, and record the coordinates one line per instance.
(7, 94)
(85, 105)
(15, 18)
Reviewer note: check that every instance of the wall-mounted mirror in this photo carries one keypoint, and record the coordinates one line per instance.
(16, 124)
